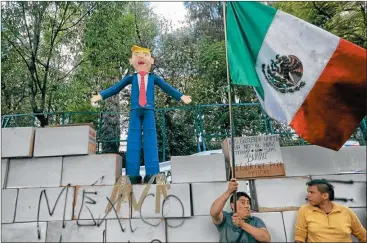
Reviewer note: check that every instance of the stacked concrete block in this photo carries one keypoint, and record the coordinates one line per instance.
(23, 172)
(60, 141)
(8, 204)
(4, 172)
(87, 170)
(289, 218)
(362, 216)
(204, 194)
(315, 160)
(308, 160)
(177, 203)
(35, 189)
(44, 204)
(190, 169)
(70, 231)
(274, 224)
(194, 229)
(135, 230)
(17, 142)
(354, 194)
(280, 194)
(351, 159)
(24, 232)
(90, 202)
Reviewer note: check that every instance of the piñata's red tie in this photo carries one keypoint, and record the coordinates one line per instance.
(142, 91)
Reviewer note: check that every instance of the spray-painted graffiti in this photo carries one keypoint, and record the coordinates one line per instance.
(88, 202)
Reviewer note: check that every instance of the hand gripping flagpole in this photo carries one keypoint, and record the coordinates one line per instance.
(230, 107)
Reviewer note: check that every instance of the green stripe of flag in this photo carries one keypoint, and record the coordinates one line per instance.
(247, 25)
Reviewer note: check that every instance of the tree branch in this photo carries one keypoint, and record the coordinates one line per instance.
(82, 61)
(321, 11)
(16, 104)
(63, 19)
(26, 25)
(17, 50)
(36, 41)
(363, 9)
(40, 62)
(27, 54)
(136, 26)
(357, 35)
(68, 17)
(49, 102)
(11, 30)
(80, 19)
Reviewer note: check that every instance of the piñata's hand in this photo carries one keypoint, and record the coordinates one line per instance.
(95, 98)
(186, 99)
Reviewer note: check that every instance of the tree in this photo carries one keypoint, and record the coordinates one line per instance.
(344, 19)
(38, 32)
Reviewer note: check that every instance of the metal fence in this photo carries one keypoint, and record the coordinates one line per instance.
(181, 130)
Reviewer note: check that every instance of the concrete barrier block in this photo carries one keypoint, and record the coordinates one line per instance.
(59, 199)
(351, 159)
(172, 207)
(17, 142)
(23, 232)
(142, 232)
(315, 160)
(280, 194)
(72, 232)
(91, 202)
(4, 172)
(189, 169)
(204, 194)
(8, 202)
(355, 194)
(274, 224)
(308, 160)
(22, 172)
(289, 218)
(362, 216)
(194, 229)
(87, 170)
(68, 140)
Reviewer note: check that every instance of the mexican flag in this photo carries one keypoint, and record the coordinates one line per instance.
(303, 75)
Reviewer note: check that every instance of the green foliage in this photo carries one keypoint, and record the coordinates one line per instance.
(344, 19)
(55, 55)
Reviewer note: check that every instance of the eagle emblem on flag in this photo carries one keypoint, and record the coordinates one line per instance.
(284, 73)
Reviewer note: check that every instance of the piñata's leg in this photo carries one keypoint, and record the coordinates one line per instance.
(133, 152)
(150, 144)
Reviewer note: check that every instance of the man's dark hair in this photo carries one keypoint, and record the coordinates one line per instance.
(323, 186)
(240, 194)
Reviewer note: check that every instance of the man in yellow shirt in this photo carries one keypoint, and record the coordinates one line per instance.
(324, 221)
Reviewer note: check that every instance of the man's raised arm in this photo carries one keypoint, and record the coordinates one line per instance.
(218, 205)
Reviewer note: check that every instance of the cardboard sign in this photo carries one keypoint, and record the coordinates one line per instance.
(256, 156)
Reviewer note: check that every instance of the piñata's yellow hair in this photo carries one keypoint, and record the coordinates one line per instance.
(136, 48)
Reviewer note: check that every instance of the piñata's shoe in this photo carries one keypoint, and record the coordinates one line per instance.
(135, 179)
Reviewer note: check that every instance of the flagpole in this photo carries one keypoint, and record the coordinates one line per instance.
(230, 107)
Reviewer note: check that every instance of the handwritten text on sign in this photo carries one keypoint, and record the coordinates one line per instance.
(256, 150)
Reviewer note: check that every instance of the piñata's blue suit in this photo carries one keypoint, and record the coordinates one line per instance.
(142, 116)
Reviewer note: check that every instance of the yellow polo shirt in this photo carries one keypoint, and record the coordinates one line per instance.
(314, 225)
